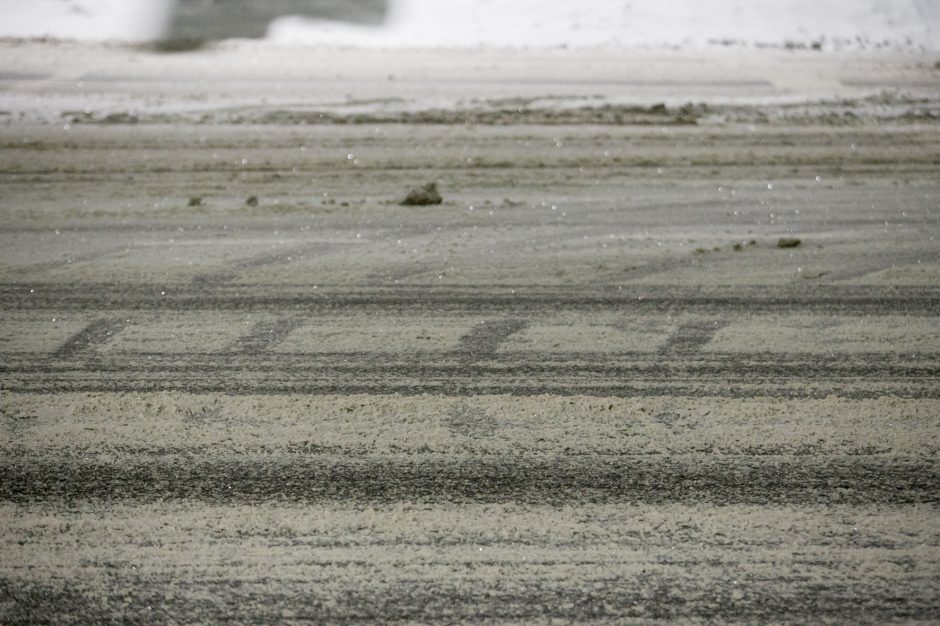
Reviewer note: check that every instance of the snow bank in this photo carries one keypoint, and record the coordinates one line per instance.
(908, 24)
(627, 23)
(123, 20)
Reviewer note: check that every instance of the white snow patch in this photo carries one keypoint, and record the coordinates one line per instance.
(630, 23)
(906, 24)
(122, 20)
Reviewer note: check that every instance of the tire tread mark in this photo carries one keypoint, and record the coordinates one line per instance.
(95, 333)
(829, 300)
(692, 336)
(236, 267)
(482, 341)
(267, 334)
(849, 480)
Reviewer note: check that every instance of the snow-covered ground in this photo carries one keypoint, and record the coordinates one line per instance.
(541, 23)
(833, 24)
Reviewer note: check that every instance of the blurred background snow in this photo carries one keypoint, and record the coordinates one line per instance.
(831, 24)
(124, 20)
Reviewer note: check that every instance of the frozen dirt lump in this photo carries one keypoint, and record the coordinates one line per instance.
(423, 196)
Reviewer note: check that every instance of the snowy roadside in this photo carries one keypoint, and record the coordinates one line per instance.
(829, 25)
(823, 25)
(247, 82)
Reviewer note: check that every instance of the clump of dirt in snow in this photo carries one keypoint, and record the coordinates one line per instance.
(786, 242)
(423, 196)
